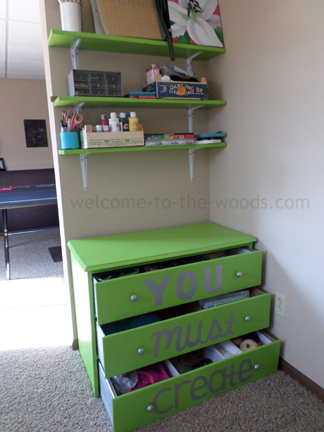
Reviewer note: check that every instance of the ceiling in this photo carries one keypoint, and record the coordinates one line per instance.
(21, 51)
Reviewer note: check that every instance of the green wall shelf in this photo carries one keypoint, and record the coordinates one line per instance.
(142, 148)
(120, 102)
(126, 45)
(91, 41)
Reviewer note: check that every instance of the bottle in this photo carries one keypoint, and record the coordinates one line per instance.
(123, 121)
(113, 122)
(133, 122)
(104, 121)
(151, 73)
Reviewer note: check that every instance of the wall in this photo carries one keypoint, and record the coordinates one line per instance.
(272, 78)
(22, 100)
(161, 179)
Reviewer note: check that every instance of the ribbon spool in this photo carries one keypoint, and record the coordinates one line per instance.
(248, 344)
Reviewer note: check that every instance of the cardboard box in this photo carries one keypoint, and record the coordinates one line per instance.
(177, 89)
(111, 139)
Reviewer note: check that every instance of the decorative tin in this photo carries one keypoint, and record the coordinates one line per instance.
(178, 89)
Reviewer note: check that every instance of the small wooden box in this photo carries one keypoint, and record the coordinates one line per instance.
(111, 139)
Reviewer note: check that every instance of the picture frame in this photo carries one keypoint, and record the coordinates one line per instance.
(196, 22)
(35, 133)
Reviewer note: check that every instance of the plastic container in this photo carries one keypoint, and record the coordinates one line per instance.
(123, 122)
(133, 122)
(151, 72)
(71, 16)
(70, 140)
(113, 122)
(104, 120)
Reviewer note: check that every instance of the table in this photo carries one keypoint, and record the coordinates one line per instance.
(23, 196)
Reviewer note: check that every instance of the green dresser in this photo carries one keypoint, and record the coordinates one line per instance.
(172, 292)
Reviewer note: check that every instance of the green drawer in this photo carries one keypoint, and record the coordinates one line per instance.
(128, 350)
(135, 295)
(141, 407)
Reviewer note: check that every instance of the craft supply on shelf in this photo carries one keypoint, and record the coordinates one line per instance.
(133, 122)
(94, 83)
(178, 89)
(111, 139)
(71, 12)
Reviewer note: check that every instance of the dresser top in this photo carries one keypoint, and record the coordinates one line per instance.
(123, 250)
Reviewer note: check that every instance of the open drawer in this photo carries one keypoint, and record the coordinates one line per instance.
(165, 398)
(134, 295)
(123, 351)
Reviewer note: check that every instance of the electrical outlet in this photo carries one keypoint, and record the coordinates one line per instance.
(280, 304)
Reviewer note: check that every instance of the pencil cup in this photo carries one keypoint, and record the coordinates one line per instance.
(70, 140)
(71, 16)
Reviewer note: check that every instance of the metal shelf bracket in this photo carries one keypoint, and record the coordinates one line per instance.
(84, 169)
(78, 107)
(74, 50)
(191, 153)
(189, 61)
(190, 117)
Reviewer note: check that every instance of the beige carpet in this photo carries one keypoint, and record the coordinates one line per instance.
(44, 385)
(47, 390)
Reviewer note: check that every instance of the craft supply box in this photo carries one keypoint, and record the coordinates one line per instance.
(94, 83)
(177, 89)
(111, 139)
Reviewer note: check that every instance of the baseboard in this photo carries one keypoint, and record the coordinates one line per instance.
(302, 379)
(75, 345)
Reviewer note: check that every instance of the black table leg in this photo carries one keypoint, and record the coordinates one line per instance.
(6, 243)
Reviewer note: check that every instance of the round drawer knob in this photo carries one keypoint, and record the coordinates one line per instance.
(239, 274)
(134, 298)
(247, 318)
(257, 367)
(140, 351)
(150, 408)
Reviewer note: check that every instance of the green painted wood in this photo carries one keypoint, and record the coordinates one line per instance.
(85, 323)
(230, 322)
(113, 297)
(183, 391)
(144, 148)
(123, 102)
(125, 250)
(96, 42)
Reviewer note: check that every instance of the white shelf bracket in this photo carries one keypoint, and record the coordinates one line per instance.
(189, 61)
(84, 169)
(191, 162)
(75, 54)
(78, 107)
(190, 117)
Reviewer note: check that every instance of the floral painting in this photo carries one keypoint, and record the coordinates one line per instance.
(196, 22)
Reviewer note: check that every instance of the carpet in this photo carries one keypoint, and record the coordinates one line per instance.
(47, 390)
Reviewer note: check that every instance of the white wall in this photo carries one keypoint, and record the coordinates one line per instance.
(149, 176)
(272, 77)
(22, 100)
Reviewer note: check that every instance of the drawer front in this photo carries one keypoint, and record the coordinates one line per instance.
(163, 399)
(135, 295)
(128, 350)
